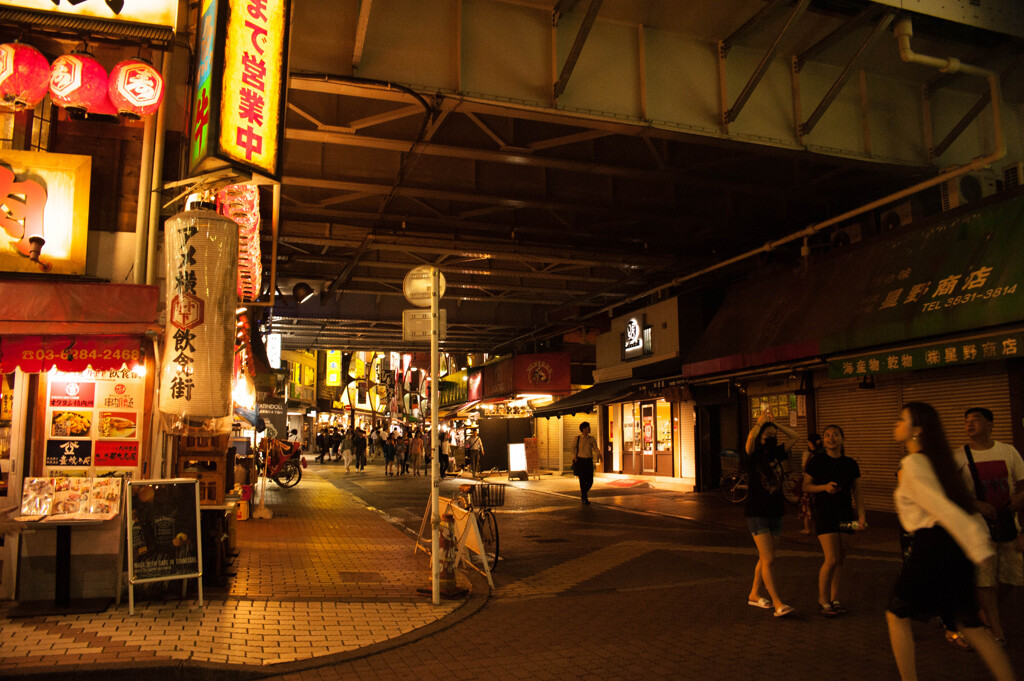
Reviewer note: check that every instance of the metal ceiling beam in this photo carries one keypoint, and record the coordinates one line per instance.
(840, 32)
(360, 38)
(880, 28)
(749, 24)
(512, 253)
(456, 268)
(974, 111)
(465, 197)
(386, 117)
(577, 47)
(730, 114)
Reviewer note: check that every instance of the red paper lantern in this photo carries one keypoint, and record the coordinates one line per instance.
(105, 108)
(78, 82)
(136, 88)
(24, 75)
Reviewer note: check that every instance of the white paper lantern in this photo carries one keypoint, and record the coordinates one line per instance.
(201, 251)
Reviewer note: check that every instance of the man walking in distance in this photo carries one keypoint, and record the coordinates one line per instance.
(474, 452)
(999, 471)
(585, 453)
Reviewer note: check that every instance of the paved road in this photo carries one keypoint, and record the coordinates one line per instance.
(605, 592)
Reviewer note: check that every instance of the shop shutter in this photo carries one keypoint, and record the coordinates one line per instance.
(544, 429)
(953, 390)
(686, 449)
(867, 418)
(570, 429)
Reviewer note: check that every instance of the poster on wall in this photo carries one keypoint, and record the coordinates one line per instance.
(94, 423)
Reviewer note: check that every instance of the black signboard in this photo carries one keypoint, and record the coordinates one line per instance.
(275, 414)
(163, 530)
(68, 453)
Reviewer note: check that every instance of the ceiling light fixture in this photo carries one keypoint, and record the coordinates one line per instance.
(302, 292)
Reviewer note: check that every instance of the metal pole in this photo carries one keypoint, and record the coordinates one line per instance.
(435, 469)
(158, 177)
(142, 209)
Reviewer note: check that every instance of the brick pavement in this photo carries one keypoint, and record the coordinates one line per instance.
(325, 577)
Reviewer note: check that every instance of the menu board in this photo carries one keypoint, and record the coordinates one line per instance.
(163, 530)
(94, 422)
(71, 498)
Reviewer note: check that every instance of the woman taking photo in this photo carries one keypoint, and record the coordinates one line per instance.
(831, 477)
(765, 504)
(947, 541)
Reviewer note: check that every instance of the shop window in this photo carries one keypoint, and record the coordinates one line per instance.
(663, 426)
(6, 410)
(630, 434)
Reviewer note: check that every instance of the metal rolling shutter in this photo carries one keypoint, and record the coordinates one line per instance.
(867, 418)
(951, 391)
(546, 430)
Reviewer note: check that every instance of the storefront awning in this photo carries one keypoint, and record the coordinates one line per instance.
(960, 272)
(585, 400)
(37, 354)
(34, 307)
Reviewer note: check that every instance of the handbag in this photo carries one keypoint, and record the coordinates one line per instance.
(1004, 527)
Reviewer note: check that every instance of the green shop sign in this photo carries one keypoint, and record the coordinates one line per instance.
(950, 353)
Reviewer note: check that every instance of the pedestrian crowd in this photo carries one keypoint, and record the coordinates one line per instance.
(960, 512)
(405, 451)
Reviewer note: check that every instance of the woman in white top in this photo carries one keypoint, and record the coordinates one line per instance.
(948, 540)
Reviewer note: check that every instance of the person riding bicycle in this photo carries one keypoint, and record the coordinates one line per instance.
(474, 451)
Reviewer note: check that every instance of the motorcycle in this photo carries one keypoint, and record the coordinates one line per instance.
(285, 461)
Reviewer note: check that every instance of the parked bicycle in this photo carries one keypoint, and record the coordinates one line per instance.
(480, 500)
(735, 485)
(286, 461)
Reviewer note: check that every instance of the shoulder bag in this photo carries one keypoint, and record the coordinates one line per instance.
(1004, 527)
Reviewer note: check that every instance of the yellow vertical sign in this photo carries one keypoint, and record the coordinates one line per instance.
(333, 374)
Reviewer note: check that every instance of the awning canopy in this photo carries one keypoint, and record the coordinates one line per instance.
(958, 273)
(585, 400)
(45, 307)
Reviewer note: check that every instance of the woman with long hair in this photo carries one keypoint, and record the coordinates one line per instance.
(948, 540)
(765, 504)
(831, 477)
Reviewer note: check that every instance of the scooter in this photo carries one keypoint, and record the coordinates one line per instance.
(285, 461)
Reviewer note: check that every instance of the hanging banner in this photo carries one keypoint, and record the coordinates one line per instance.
(238, 110)
(195, 388)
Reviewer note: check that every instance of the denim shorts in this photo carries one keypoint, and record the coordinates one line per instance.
(771, 524)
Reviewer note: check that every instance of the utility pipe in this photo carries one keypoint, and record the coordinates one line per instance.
(142, 208)
(156, 183)
(275, 226)
(903, 34)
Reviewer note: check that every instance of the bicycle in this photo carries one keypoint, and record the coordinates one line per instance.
(480, 500)
(733, 484)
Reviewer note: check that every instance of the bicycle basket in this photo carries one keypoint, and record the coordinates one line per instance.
(488, 495)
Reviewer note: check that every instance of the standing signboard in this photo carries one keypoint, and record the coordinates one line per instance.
(163, 537)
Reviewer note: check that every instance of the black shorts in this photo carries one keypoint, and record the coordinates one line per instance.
(936, 579)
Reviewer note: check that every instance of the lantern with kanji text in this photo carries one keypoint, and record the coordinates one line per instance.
(201, 250)
(135, 88)
(24, 76)
(78, 82)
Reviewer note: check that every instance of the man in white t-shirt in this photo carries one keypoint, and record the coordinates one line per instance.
(1000, 470)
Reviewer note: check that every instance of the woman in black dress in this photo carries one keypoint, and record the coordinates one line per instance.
(832, 477)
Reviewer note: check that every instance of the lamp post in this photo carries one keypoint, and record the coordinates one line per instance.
(435, 469)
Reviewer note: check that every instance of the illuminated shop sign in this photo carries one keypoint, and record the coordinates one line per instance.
(154, 12)
(332, 376)
(636, 339)
(44, 195)
(237, 113)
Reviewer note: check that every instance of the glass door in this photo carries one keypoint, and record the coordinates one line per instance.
(13, 396)
(650, 457)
